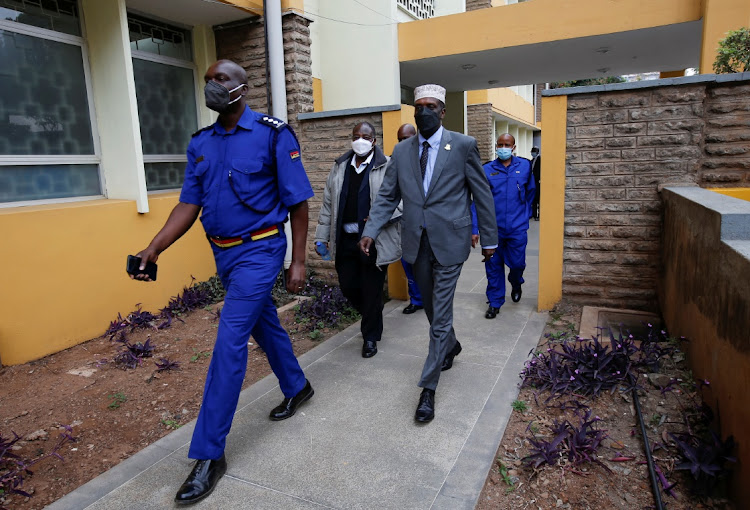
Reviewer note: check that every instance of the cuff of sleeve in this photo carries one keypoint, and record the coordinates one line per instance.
(489, 247)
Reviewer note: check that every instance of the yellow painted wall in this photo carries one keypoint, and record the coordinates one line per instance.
(552, 202)
(505, 102)
(317, 95)
(741, 193)
(391, 122)
(537, 22)
(671, 74)
(256, 6)
(719, 17)
(64, 274)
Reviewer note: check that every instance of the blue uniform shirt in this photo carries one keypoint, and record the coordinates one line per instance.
(258, 162)
(513, 190)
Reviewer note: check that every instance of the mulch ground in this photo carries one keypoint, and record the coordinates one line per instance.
(114, 413)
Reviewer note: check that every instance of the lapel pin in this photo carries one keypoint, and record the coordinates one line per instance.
(447, 146)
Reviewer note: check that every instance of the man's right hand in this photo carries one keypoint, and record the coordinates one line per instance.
(147, 255)
(364, 245)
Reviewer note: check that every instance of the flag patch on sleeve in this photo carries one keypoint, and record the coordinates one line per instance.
(294, 154)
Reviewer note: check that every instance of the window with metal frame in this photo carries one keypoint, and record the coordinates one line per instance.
(48, 150)
(165, 88)
(421, 9)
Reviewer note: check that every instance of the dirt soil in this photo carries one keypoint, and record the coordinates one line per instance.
(114, 412)
(623, 484)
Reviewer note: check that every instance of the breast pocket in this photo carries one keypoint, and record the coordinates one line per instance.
(254, 184)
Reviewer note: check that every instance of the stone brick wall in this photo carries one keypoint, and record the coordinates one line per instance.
(322, 141)
(621, 147)
(479, 119)
(245, 45)
(472, 5)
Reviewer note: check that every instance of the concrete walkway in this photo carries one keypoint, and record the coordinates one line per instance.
(355, 444)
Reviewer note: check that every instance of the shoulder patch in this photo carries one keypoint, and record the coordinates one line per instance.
(273, 122)
(201, 130)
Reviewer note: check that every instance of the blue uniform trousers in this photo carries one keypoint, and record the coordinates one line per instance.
(511, 252)
(248, 272)
(415, 297)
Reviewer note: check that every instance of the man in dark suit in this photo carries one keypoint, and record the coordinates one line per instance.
(436, 174)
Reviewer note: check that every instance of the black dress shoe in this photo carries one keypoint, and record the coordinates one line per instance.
(289, 406)
(426, 408)
(369, 349)
(515, 294)
(448, 361)
(201, 481)
(412, 308)
(491, 312)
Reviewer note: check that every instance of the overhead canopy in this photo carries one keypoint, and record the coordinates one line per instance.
(547, 40)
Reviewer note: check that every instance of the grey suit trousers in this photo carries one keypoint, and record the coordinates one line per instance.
(437, 283)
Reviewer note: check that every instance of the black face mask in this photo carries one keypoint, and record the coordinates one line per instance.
(217, 96)
(428, 121)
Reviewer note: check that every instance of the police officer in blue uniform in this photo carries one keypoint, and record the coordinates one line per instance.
(513, 189)
(245, 173)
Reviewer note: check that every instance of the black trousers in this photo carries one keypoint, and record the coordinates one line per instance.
(361, 281)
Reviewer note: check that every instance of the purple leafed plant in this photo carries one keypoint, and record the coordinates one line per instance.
(706, 458)
(132, 354)
(165, 364)
(326, 308)
(14, 468)
(589, 367)
(577, 444)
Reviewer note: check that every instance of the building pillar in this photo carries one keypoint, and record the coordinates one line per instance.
(113, 86)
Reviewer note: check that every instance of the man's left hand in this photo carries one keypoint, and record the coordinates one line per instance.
(295, 278)
(488, 253)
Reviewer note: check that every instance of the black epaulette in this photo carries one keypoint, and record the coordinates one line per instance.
(201, 130)
(278, 124)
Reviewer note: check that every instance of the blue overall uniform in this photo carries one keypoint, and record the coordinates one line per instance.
(415, 297)
(513, 190)
(244, 180)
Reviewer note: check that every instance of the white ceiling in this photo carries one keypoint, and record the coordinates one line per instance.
(665, 48)
(189, 12)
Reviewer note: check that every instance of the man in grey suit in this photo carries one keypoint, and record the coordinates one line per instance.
(436, 174)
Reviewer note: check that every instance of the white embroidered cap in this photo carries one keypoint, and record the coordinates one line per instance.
(430, 90)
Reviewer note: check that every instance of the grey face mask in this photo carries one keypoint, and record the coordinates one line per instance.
(217, 96)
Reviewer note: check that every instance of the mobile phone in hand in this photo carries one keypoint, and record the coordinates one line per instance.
(134, 267)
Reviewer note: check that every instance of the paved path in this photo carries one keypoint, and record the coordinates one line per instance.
(355, 444)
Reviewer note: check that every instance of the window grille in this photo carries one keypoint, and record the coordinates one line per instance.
(421, 9)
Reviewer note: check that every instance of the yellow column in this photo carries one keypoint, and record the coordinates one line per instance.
(317, 95)
(552, 205)
(719, 17)
(397, 284)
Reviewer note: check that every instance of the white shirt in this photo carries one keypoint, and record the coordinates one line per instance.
(361, 168)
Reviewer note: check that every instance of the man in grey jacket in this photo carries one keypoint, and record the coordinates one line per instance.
(436, 174)
(351, 187)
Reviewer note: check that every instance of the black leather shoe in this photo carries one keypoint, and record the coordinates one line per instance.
(491, 312)
(201, 481)
(289, 406)
(369, 349)
(426, 408)
(515, 294)
(412, 308)
(448, 361)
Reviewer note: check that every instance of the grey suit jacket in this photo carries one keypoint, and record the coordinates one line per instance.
(445, 210)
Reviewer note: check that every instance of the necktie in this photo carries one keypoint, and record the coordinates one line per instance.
(423, 158)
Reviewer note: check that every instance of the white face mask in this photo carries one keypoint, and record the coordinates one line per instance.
(361, 147)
